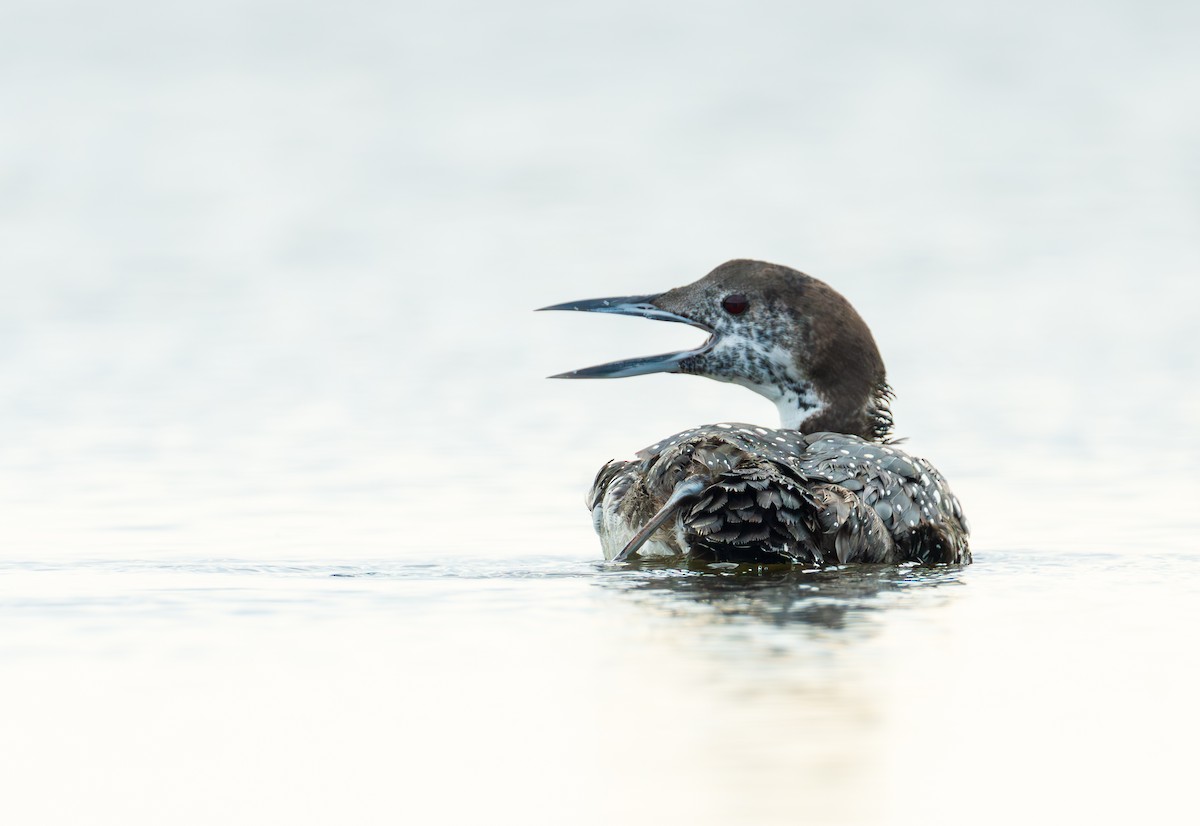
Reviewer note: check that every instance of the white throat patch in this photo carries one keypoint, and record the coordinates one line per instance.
(795, 407)
(768, 371)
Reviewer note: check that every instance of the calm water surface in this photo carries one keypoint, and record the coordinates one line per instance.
(541, 688)
(291, 527)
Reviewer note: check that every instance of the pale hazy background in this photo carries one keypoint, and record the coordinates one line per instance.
(267, 268)
(266, 274)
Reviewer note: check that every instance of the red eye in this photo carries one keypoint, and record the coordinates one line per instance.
(735, 304)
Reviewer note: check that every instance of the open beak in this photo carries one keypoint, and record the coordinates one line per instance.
(638, 305)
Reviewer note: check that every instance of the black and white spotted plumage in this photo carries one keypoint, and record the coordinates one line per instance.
(776, 496)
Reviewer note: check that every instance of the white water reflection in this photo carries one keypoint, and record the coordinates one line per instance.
(472, 689)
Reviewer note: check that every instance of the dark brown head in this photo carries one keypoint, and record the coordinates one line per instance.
(779, 332)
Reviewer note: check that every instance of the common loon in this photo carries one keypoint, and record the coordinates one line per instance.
(829, 487)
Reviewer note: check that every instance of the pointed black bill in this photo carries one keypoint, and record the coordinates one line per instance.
(636, 305)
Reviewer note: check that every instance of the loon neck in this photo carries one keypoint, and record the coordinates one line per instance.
(808, 413)
(796, 408)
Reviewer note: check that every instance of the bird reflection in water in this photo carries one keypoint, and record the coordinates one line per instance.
(780, 595)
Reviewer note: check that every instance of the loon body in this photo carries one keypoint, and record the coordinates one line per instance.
(826, 488)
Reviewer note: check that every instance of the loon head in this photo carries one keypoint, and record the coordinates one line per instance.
(777, 331)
